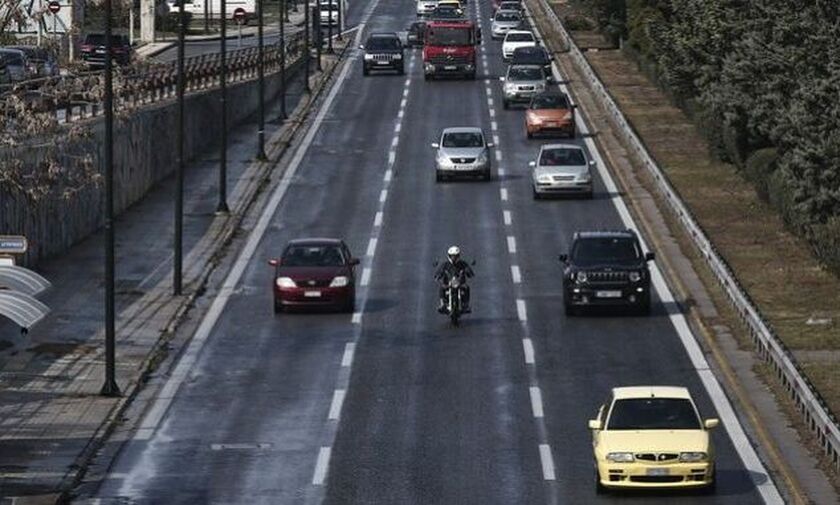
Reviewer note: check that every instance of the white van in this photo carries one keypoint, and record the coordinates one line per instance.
(214, 8)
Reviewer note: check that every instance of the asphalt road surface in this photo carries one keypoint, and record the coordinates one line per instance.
(392, 405)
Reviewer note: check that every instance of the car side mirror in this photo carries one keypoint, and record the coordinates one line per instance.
(650, 256)
(549, 79)
(435, 145)
(592, 162)
(532, 163)
(274, 262)
(563, 258)
(595, 424)
(502, 78)
(354, 261)
(490, 144)
(361, 46)
(711, 423)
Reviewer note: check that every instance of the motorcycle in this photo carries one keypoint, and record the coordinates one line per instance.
(454, 303)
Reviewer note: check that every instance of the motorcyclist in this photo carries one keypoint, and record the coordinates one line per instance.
(454, 266)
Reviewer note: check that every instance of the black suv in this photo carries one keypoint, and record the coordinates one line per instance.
(532, 55)
(93, 50)
(383, 51)
(606, 268)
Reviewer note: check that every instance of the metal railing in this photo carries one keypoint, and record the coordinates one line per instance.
(73, 98)
(814, 409)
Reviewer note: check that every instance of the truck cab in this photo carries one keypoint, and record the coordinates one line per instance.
(450, 48)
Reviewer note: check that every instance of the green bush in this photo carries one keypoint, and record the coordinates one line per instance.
(759, 168)
(825, 242)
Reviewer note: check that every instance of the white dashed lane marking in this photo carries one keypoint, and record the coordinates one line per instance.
(514, 272)
(507, 217)
(377, 220)
(371, 248)
(536, 402)
(337, 402)
(521, 310)
(547, 462)
(383, 195)
(365, 277)
(504, 194)
(528, 350)
(321, 466)
(511, 243)
(349, 350)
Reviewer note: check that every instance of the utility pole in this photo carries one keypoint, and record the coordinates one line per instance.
(330, 27)
(177, 281)
(318, 35)
(222, 208)
(340, 18)
(109, 388)
(261, 77)
(284, 14)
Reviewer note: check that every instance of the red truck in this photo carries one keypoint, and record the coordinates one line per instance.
(450, 48)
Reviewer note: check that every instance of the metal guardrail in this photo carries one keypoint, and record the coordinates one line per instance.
(70, 99)
(815, 411)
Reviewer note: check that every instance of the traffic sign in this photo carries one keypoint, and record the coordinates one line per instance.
(239, 14)
(12, 244)
(54, 6)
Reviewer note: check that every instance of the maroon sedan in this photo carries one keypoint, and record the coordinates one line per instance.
(315, 272)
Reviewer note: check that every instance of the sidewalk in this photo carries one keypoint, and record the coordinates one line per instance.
(152, 49)
(52, 418)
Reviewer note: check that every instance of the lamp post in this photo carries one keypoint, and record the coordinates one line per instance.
(222, 207)
(318, 35)
(284, 13)
(261, 77)
(330, 27)
(306, 49)
(110, 387)
(177, 281)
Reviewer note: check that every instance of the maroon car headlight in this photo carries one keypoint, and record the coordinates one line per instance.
(285, 283)
(339, 281)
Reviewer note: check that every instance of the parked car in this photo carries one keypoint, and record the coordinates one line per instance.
(93, 50)
(561, 169)
(521, 83)
(315, 272)
(606, 268)
(462, 151)
(649, 437)
(416, 34)
(514, 39)
(550, 113)
(425, 7)
(503, 22)
(18, 64)
(532, 55)
(383, 51)
(43, 61)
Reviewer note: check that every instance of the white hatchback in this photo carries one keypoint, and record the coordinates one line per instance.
(515, 39)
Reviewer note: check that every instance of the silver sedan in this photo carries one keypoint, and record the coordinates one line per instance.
(562, 169)
(503, 22)
(462, 151)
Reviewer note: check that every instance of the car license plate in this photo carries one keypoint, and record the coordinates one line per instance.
(463, 167)
(382, 62)
(100, 51)
(608, 294)
(312, 294)
(657, 472)
(450, 67)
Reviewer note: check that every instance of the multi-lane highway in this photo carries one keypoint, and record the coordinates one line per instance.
(391, 404)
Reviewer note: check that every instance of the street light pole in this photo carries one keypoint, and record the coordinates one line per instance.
(261, 77)
(177, 281)
(306, 48)
(330, 26)
(340, 17)
(222, 208)
(284, 13)
(109, 388)
(318, 35)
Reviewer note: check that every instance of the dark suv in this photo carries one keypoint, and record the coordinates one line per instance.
(383, 51)
(606, 268)
(93, 50)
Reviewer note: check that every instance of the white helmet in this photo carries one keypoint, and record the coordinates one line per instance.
(454, 253)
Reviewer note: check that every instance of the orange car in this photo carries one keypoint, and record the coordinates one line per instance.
(550, 113)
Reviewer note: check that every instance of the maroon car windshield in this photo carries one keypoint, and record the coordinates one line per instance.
(313, 256)
(449, 36)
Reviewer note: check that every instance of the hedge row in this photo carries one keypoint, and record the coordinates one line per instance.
(761, 78)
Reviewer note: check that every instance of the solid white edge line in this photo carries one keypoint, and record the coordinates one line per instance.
(528, 350)
(536, 402)
(321, 466)
(547, 461)
(349, 351)
(335, 405)
(521, 310)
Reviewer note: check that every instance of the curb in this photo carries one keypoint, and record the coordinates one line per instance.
(278, 147)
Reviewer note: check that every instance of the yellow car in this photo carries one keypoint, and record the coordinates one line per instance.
(652, 437)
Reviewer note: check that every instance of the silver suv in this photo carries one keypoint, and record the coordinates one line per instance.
(522, 82)
(462, 151)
